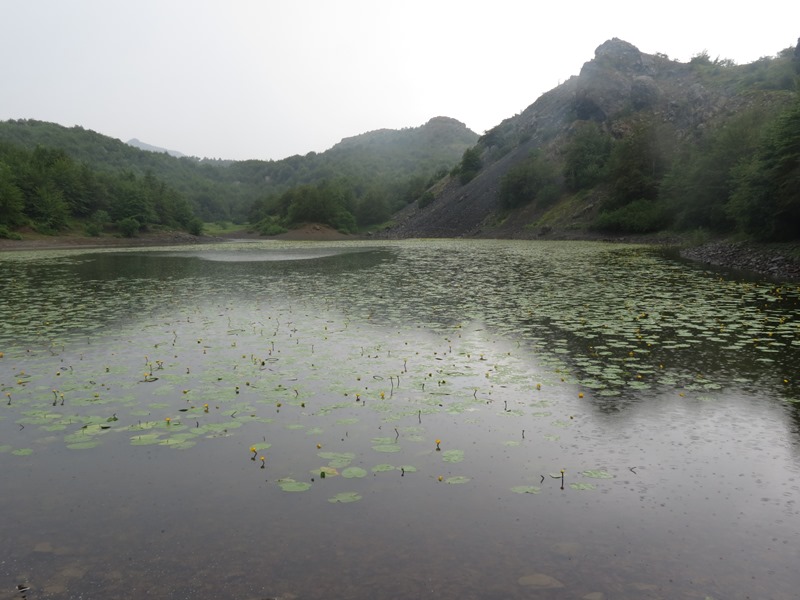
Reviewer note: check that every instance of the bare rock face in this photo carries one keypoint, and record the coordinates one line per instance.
(618, 77)
(620, 55)
(645, 92)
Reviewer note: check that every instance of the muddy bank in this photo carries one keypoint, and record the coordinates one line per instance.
(34, 241)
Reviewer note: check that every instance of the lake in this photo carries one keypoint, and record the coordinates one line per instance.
(419, 419)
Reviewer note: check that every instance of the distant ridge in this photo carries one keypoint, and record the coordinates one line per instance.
(142, 146)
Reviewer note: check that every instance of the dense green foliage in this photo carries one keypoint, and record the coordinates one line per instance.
(536, 179)
(766, 199)
(374, 175)
(45, 188)
(470, 164)
(586, 155)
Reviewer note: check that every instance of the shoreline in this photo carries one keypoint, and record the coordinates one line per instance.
(774, 261)
(37, 241)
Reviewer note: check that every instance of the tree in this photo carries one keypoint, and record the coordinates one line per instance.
(470, 164)
(535, 179)
(48, 208)
(637, 163)
(698, 187)
(766, 201)
(586, 156)
(12, 201)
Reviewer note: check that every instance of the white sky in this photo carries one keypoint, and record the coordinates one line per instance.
(265, 79)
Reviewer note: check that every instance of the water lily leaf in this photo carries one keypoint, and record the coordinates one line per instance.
(290, 485)
(261, 446)
(328, 472)
(83, 445)
(453, 456)
(145, 439)
(387, 448)
(526, 489)
(352, 472)
(382, 468)
(582, 486)
(457, 480)
(22, 451)
(598, 474)
(345, 497)
(337, 460)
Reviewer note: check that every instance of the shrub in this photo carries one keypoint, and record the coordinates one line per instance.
(93, 229)
(270, 226)
(128, 226)
(640, 216)
(8, 234)
(195, 226)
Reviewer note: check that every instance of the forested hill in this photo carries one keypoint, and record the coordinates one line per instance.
(86, 172)
(636, 143)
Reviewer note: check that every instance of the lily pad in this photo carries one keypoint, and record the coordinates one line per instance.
(290, 485)
(345, 498)
(83, 445)
(598, 474)
(387, 448)
(453, 456)
(526, 489)
(22, 451)
(382, 468)
(582, 486)
(325, 472)
(354, 472)
(146, 439)
(457, 480)
(337, 460)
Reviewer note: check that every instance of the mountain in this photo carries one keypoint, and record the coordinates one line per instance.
(635, 143)
(392, 165)
(142, 146)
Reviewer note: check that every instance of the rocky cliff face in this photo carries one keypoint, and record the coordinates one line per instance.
(618, 86)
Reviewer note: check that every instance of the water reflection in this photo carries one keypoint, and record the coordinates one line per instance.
(666, 394)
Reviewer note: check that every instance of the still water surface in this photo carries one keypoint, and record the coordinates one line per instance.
(141, 389)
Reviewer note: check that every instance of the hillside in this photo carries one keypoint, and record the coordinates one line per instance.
(635, 143)
(391, 164)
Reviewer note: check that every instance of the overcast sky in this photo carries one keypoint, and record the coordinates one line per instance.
(267, 79)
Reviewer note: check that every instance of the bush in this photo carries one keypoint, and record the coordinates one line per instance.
(195, 226)
(270, 226)
(640, 216)
(128, 226)
(9, 235)
(93, 229)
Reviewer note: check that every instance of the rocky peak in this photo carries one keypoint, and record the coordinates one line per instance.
(618, 54)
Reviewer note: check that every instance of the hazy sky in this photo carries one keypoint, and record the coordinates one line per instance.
(267, 79)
